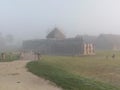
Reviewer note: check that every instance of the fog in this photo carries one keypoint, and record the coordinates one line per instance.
(27, 19)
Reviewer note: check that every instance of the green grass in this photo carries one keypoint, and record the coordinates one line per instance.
(10, 57)
(66, 80)
(80, 73)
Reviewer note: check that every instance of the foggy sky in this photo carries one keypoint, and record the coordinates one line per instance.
(35, 18)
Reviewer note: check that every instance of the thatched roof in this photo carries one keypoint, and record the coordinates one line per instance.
(56, 34)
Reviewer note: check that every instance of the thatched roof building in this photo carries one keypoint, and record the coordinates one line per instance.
(56, 34)
(108, 42)
(57, 44)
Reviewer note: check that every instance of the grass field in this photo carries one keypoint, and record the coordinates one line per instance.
(80, 73)
(10, 57)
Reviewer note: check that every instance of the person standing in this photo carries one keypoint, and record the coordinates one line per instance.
(38, 56)
(2, 56)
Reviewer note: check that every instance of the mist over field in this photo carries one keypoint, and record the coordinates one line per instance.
(28, 19)
(60, 44)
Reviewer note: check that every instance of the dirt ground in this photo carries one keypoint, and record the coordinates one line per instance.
(14, 76)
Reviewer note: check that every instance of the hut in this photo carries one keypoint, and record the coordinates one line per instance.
(56, 44)
(56, 34)
(108, 42)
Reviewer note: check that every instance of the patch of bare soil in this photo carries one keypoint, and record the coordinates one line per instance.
(14, 76)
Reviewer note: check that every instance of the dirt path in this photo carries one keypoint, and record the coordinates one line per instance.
(14, 76)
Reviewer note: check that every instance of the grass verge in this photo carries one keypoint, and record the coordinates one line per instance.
(64, 79)
(10, 58)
